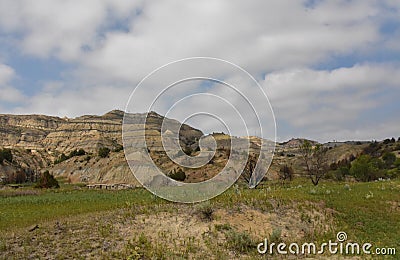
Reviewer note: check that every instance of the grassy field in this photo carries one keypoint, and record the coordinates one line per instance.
(367, 212)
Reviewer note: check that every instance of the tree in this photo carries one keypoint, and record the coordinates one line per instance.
(47, 180)
(386, 141)
(314, 160)
(6, 155)
(389, 159)
(103, 152)
(366, 168)
(20, 177)
(373, 149)
(249, 167)
(286, 173)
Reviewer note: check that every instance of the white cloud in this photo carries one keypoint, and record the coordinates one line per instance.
(6, 74)
(60, 28)
(327, 103)
(8, 93)
(261, 36)
(282, 38)
(71, 102)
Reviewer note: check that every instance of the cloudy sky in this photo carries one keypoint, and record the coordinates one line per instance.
(331, 69)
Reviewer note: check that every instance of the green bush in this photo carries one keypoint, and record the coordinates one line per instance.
(47, 180)
(206, 211)
(389, 159)
(61, 158)
(397, 163)
(104, 152)
(367, 168)
(74, 153)
(118, 148)
(241, 242)
(6, 155)
(393, 173)
(79, 152)
(178, 175)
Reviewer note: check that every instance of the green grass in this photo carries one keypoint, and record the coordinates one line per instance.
(367, 212)
(21, 211)
(363, 217)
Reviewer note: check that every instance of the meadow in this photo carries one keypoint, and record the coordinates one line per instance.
(366, 211)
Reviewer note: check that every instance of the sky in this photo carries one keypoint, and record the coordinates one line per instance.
(330, 69)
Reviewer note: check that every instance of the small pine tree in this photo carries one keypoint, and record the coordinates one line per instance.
(6, 155)
(47, 180)
(104, 152)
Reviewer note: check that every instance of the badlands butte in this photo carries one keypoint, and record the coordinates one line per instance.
(69, 149)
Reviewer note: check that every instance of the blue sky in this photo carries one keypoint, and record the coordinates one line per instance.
(331, 69)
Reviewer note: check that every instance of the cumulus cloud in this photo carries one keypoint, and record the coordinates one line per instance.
(112, 44)
(8, 93)
(326, 103)
(60, 28)
(74, 102)
(261, 36)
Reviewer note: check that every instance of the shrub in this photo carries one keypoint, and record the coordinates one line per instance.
(60, 159)
(79, 152)
(333, 166)
(241, 242)
(393, 173)
(387, 141)
(178, 175)
(118, 148)
(104, 152)
(397, 163)
(6, 155)
(372, 149)
(366, 168)
(389, 159)
(47, 181)
(342, 172)
(275, 236)
(206, 211)
(286, 173)
(222, 227)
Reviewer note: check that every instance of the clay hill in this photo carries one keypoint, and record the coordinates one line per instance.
(88, 149)
(70, 148)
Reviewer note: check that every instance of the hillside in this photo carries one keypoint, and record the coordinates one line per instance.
(38, 142)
